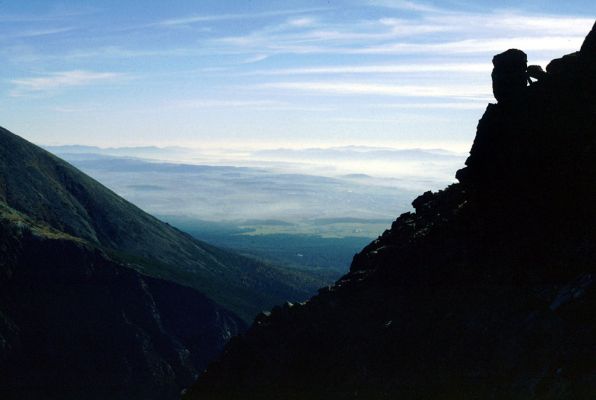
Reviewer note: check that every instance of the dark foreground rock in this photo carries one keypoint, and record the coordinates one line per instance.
(486, 291)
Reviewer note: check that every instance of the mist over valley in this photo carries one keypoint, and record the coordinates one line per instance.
(308, 208)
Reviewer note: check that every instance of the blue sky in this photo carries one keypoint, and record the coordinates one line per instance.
(259, 74)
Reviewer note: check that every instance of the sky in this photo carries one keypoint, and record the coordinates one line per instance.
(266, 74)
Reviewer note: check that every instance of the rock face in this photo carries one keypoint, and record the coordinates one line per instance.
(487, 290)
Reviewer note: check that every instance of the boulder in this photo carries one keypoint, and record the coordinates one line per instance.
(509, 75)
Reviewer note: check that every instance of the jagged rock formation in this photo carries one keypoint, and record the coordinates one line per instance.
(487, 290)
(535, 72)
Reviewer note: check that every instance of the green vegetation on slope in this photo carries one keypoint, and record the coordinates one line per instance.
(300, 250)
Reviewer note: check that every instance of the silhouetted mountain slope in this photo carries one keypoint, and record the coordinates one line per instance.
(51, 191)
(486, 291)
(75, 324)
(99, 300)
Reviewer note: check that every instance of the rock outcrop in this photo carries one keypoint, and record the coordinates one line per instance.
(509, 75)
(487, 290)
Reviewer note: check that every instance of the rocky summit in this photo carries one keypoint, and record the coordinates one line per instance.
(486, 291)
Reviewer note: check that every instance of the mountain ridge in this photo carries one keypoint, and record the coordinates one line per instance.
(99, 299)
(48, 189)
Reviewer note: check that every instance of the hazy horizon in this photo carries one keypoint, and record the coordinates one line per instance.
(414, 168)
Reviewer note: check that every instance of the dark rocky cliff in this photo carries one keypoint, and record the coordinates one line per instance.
(487, 290)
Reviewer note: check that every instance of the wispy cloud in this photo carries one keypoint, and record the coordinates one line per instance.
(254, 59)
(120, 52)
(301, 22)
(200, 104)
(431, 33)
(407, 5)
(51, 17)
(59, 80)
(192, 19)
(550, 43)
(380, 69)
(270, 105)
(467, 105)
(379, 89)
(40, 32)
(514, 23)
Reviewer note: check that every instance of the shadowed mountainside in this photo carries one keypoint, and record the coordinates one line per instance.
(99, 300)
(75, 324)
(487, 290)
(52, 192)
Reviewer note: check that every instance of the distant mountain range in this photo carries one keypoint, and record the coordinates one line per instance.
(158, 153)
(354, 153)
(405, 168)
(351, 152)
